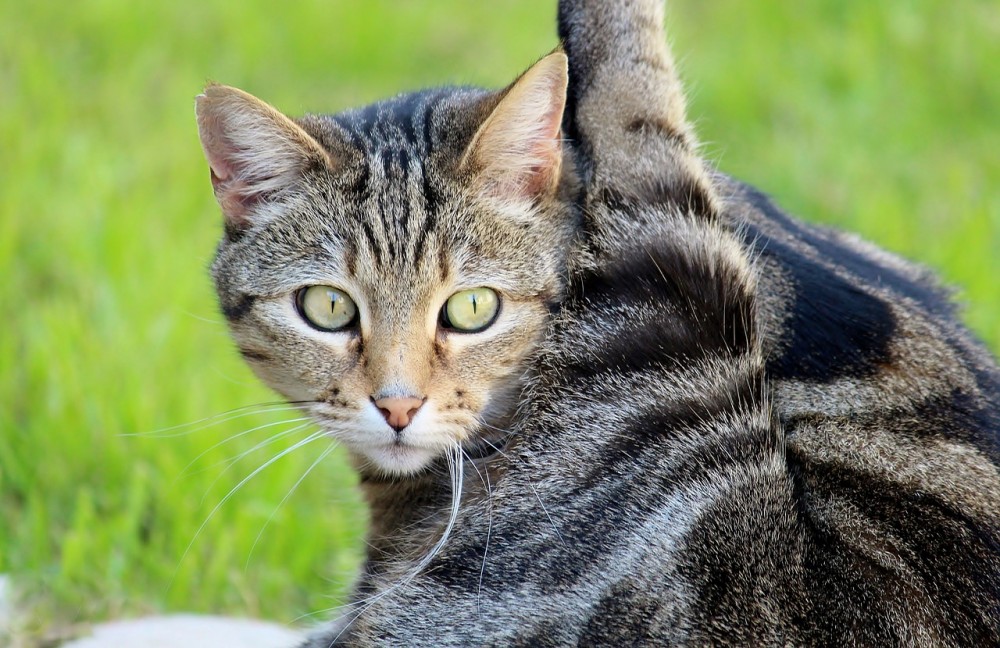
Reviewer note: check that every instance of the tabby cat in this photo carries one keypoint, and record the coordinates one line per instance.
(599, 393)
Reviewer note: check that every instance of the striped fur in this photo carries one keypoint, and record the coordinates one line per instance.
(400, 205)
(731, 428)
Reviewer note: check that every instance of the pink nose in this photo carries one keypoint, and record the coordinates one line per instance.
(399, 411)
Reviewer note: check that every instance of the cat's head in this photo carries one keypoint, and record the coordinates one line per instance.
(392, 268)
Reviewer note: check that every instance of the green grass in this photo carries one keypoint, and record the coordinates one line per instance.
(875, 117)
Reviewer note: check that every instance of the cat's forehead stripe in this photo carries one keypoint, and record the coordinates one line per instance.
(403, 123)
(399, 198)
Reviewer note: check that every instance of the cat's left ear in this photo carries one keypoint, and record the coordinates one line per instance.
(517, 152)
(255, 152)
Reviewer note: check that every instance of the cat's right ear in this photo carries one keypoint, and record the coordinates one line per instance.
(517, 152)
(255, 153)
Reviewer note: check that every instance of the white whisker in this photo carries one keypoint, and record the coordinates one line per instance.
(323, 455)
(485, 478)
(486, 549)
(242, 434)
(456, 469)
(274, 438)
(546, 512)
(210, 421)
(531, 485)
(308, 439)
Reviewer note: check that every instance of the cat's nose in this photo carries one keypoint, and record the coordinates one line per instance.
(399, 411)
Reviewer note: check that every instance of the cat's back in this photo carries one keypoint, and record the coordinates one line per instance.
(890, 412)
(842, 317)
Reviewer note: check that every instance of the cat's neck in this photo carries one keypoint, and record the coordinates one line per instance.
(400, 507)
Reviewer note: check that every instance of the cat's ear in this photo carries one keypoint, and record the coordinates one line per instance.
(517, 152)
(255, 153)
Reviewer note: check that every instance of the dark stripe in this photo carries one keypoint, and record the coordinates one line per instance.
(607, 504)
(731, 561)
(431, 193)
(373, 245)
(360, 182)
(656, 127)
(405, 206)
(683, 194)
(258, 356)
(655, 432)
(955, 415)
(926, 293)
(237, 308)
(692, 197)
(953, 553)
(232, 231)
(384, 213)
(429, 223)
(580, 80)
(833, 329)
(351, 260)
(633, 348)
(706, 310)
(404, 110)
(428, 120)
(625, 615)
(443, 268)
(544, 633)
(432, 196)
(367, 118)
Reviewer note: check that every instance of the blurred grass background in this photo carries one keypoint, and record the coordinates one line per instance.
(882, 118)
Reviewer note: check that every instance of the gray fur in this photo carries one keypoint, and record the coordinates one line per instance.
(733, 428)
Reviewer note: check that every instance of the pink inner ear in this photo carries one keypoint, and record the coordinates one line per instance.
(538, 180)
(236, 196)
(227, 190)
(548, 149)
(216, 180)
(220, 170)
(218, 150)
(533, 180)
(518, 147)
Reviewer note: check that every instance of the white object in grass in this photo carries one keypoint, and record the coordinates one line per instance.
(6, 604)
(189, 631)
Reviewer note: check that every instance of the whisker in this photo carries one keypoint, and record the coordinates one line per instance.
(323, 455)
(246, 410)
(546, 512)
(495, 447)
(485, 476)
(263, 444)
(241, 434)
(535, 491)
(456, 469)
(308, 439)
(475, 467)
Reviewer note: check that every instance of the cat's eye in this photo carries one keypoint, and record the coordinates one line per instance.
(326, 308)
(471, 311)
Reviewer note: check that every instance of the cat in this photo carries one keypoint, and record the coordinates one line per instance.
(682, 416)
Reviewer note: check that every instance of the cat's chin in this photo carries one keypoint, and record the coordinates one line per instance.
(397, 459)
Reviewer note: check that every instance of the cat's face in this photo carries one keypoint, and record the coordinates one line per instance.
(393, 268)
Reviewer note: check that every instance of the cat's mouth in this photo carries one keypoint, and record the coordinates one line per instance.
(398, 457)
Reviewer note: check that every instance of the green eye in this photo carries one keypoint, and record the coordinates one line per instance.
(326, 308)
(471, 311)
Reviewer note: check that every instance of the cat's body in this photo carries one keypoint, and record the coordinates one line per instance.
(732, 428)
